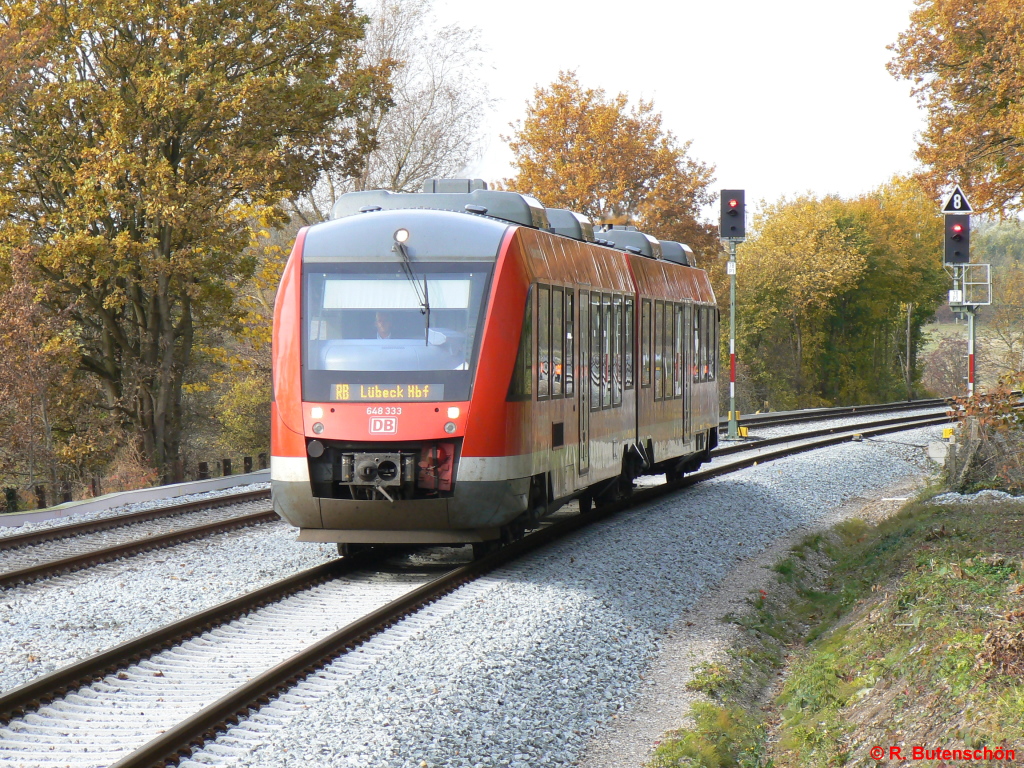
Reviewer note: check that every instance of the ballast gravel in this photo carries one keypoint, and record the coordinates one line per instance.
(127, 509)
(523, 668)
(55, 622)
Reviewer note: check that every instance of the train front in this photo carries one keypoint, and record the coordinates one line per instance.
(377, 333)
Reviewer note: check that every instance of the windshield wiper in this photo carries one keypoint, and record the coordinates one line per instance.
(422, 295)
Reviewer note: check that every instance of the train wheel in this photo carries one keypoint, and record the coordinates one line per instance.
(483, 548)
(346, 550)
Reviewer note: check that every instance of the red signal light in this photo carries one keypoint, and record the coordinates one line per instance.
(733, 203)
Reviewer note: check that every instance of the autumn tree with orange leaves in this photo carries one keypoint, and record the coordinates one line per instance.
(138, 143)
(579, 149)
(964, 60)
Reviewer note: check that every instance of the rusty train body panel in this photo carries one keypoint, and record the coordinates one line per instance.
(442, 375)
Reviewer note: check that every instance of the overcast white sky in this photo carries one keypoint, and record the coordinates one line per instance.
(782, 97)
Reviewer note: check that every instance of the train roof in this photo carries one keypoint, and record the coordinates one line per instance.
(471, 196)
(507, 206)
(678, 253)
(571, 224)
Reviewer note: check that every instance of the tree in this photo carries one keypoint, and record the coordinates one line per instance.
(137, 142)
(580, 150)
(431, 126)
(963, 58)
(794, 266)
(833, 292)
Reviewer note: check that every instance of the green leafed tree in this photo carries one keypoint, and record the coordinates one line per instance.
(138, 143)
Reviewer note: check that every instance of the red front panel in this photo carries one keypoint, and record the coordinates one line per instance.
(286, 409)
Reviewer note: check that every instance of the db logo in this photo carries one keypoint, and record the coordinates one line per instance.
(383, 426)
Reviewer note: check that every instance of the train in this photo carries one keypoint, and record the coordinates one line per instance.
(451, 366)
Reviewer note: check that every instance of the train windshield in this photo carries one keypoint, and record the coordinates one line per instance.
(383, 332)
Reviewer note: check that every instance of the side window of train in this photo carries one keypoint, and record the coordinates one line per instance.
(696, 344)
(569, 366)
(659, 340)
(595, 351)
(607, 350)
(712, 343)
(618, 334)
(543, 342)
(671, 342)
(645, 342)
(704, 346)
(680, 341)
(629, 342)
(521, 386)
(557, 341)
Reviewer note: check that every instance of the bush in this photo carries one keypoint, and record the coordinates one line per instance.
(991, 446)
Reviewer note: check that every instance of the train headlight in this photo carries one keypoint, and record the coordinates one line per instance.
(401, 235)
(318, 428)
(316, 413)
(453, 412)
(450, 427)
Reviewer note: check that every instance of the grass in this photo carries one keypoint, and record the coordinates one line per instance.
(908, 633)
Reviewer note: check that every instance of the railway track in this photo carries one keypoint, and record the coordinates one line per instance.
(49, 552)
(156, 666)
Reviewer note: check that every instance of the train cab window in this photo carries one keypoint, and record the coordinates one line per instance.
(617, 357)
(595, 351)
(645, 342)
(543, 342)
(629, 342)
(375, 324)
(521, 387)
(677, 368)
(557, 341)
(568, 366)
(659, 342)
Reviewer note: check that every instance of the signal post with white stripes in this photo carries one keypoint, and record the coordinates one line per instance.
(732, 229)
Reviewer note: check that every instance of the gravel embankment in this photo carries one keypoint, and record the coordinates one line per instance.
(523, 668)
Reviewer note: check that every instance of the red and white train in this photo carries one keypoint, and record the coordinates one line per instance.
(450, 366)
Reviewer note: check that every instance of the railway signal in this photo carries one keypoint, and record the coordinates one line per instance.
(957, 255)
(958, 238)
(734, 215)
(732, 227)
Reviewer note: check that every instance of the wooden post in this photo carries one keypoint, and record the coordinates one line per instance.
(94, 484)
(40, 497)
(263, 460)
(204, 471)
(226, 463)
(247, 464)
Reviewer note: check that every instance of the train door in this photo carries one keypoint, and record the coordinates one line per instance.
(583, 381)
(688, 367)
